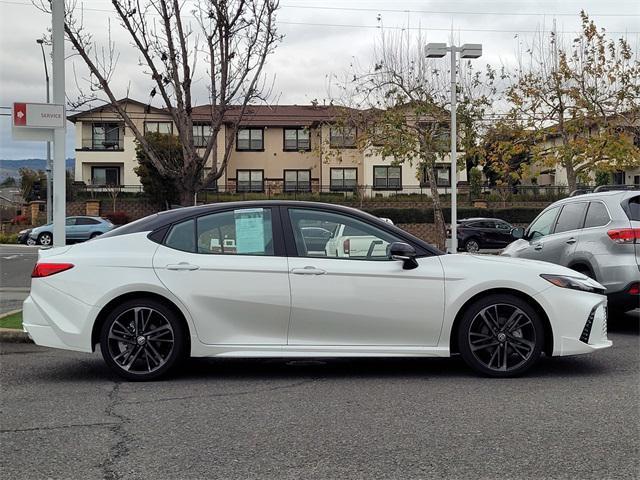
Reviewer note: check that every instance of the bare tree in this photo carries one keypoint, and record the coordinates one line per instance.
(229, 40)
(408, 97)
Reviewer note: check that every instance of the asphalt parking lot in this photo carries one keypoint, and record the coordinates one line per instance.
(64, 415)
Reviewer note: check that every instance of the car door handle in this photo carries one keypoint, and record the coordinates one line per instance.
(182, 266)
(571, 241)
(308, 271)
(537, 246)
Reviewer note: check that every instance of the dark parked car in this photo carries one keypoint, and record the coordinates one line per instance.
(23, 237)
(477, 233)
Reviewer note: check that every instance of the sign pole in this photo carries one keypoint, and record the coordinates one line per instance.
(59, 150)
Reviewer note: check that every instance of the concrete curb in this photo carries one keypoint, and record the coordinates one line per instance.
(14, 335)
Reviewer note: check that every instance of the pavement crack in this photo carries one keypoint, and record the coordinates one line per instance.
(120, 449)
(230, 394)
(74, 425)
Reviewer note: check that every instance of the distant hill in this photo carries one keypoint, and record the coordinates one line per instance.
(9, 168)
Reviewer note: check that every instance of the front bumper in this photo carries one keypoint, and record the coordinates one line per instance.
(570, 313)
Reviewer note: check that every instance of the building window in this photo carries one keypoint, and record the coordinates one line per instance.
(250, 140)
(105, 175)
(297, 180)
(201, 135)
(165, 128)
(342, 137)
(387, 178)
(296, 139)
(105, 136)
(618, 178)
(250, 180)
(343, 179)
(443, 176)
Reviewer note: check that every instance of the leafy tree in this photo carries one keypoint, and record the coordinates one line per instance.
(582, 100)
(162, 189)
(33, 184)
(220, 44)
(8, 182)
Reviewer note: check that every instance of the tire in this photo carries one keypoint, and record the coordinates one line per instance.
(45, 239)
(94, 235)
(31, 242)
(585, 271)
(129, 345)
(472, 246)
(506, 348)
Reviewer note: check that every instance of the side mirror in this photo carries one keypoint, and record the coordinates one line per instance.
(517, 232)
(405, 252)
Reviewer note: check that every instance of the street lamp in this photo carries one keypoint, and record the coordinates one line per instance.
(40, 42)
(439, 50)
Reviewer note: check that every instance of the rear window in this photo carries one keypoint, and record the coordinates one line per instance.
(633, 209)
(597, 215)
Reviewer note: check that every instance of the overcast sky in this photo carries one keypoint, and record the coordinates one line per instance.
(322, 37)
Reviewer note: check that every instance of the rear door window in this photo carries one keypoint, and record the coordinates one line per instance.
(597, 215)
(571, 217)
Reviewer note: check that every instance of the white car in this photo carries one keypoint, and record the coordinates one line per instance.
(237, 280)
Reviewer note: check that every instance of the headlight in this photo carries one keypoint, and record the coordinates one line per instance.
(574, 283)
(23, 231)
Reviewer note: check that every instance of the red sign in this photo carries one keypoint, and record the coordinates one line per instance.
(20, 114)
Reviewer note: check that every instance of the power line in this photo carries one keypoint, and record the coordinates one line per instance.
(450, 12)
(377, 27)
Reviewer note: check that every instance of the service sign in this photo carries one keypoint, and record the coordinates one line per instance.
(38, 115)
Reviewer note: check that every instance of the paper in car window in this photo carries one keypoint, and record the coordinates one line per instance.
(249, 230)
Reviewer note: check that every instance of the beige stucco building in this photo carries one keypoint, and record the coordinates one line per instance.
(276, 148)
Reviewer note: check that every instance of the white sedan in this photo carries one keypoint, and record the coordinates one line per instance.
(237, 280)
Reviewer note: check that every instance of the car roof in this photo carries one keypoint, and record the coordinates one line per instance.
(165, 218)
(613, 195)
(476, 219)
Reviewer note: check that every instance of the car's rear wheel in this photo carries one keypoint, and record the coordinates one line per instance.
(501, 336)
(142, 339)
(94, 235)
(472, 246)
(45, 239)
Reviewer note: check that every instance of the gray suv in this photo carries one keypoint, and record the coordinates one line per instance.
(597, 234)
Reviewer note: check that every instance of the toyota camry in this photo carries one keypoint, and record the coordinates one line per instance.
(246, 279)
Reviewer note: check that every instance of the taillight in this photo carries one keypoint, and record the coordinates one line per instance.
(634, 289)
(625, 235)
(346, 246)
(48, 269)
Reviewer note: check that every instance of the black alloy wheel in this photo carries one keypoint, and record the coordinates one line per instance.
(501, 336)
(142, 339)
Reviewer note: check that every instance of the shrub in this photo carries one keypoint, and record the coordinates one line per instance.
(8, 238)
(20, 220)
(117, 218)
(425, 215)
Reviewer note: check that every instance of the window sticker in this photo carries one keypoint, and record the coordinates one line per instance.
(250, 230)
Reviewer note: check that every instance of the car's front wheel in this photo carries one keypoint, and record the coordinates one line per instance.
(142, 339)
(501, 336)
(45, 239)
(31, 241)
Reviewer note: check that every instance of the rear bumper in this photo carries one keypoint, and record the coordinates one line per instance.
(623, 300)
(50, 326)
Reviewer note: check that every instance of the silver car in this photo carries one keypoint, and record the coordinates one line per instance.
(597, 234)
(77, 229)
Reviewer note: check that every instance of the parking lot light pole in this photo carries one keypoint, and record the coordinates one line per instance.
(439, 50)
(40, 42)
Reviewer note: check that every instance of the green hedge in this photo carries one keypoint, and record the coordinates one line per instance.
(425, 215)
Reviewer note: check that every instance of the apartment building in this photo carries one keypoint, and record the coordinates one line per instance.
(277, 148)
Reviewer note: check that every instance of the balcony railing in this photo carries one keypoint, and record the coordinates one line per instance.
(108, 145)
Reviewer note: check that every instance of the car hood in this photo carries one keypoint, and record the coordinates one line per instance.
(497, 262)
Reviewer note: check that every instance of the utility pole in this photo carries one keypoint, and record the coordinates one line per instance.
(59, 154)
(48, 169)
(468, 50)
